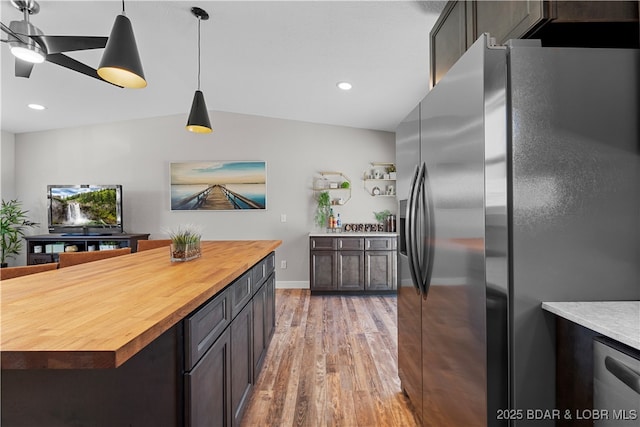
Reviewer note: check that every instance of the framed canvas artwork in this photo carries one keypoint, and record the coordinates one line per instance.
(219, 185)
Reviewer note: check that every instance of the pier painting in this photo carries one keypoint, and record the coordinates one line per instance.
(219, 186)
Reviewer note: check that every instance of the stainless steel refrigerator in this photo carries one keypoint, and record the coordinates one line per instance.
(520, 172)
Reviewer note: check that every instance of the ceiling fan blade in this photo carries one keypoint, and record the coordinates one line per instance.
(72, 64)
(23, 68)
(57, 44)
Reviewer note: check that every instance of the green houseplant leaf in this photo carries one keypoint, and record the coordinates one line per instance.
(323, 209)
(13, 223)
(185, 242)
(382, 215)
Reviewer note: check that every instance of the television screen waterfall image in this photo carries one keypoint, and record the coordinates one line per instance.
(219, 186)
(87, 206)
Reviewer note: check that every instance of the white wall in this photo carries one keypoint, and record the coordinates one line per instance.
(137, 155)
(7, 166)
(7, 173)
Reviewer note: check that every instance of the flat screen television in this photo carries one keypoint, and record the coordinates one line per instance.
(85, 209)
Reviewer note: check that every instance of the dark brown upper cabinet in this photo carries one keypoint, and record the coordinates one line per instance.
(555, 23)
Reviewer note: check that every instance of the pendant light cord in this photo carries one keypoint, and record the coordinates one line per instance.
(199, 53)
(123, 8)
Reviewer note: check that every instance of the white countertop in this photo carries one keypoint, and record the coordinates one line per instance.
(353, 234)
(618, 320)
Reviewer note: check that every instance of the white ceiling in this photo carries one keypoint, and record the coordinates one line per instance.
(269, 58)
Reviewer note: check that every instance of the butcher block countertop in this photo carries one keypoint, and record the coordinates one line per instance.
(100, 314)
(618, 320)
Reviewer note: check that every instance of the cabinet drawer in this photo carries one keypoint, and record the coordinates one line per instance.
(241, 293)
(323, 243)
(204, 326)
(350, 243)
(380, 243)
(262, 270)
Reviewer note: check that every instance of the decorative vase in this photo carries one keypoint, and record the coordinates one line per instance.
(184, 251)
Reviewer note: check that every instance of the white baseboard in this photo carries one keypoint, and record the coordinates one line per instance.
(292, 284)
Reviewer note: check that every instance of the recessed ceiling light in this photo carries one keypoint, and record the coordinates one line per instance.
(36, 106)
(344, 85)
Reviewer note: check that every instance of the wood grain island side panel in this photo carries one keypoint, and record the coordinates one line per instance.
(100, 314)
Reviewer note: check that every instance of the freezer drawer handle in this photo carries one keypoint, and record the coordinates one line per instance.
(623, 373)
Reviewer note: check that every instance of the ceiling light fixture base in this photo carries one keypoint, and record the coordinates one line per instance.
(200, 13)
(31, 6)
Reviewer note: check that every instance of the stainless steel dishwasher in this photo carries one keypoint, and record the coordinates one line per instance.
(616, 384)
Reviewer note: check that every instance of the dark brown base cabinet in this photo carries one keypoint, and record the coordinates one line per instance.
(264, 305)
(200, 373)
(207, 387)
(352, 264)
(226, 384)
(241, 362)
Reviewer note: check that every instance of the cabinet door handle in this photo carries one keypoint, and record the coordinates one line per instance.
(623, 372)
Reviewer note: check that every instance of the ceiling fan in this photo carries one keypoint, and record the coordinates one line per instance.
(31, 46)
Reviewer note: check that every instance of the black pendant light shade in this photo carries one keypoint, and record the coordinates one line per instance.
(120, 62)
(199, 116)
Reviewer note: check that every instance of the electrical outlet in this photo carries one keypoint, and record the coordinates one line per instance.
(283, 217)
(283, 263)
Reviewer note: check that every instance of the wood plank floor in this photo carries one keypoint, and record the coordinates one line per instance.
(332, 362)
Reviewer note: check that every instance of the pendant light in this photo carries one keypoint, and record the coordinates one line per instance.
(120, 62)
(199, 116)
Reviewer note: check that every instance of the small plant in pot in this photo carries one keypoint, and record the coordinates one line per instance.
(323, 210)
(391, 170)
(381, 216)
(185, 243)
(13, 222)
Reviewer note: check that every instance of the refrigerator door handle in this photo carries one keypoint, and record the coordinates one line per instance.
(410, 234)
(623, 372)
(418, 228)
(427, 229)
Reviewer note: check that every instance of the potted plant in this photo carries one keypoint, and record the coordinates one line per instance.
(323, 209)
(382, 217)
(13, 222)
(185, 243)
(391, 170)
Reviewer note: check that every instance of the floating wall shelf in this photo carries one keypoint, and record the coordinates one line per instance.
(336, 183)
(380, 179)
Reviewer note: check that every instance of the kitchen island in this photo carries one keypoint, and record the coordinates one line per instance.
(579, 325)
(112, 342)
(618, 320)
